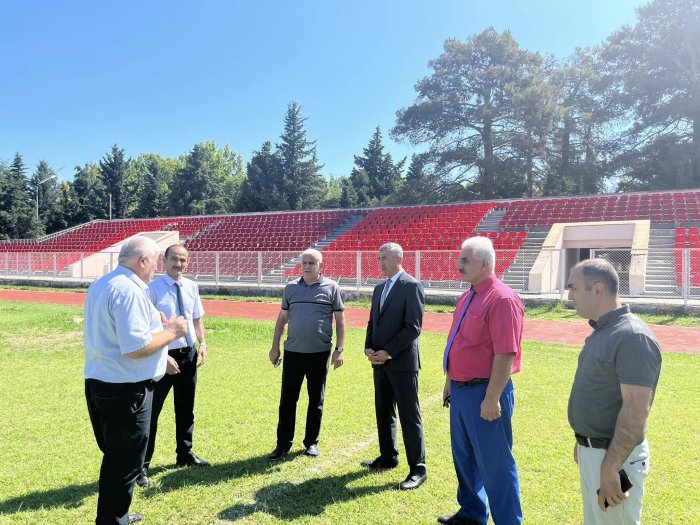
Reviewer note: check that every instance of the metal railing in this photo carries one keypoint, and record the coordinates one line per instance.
(659, 273)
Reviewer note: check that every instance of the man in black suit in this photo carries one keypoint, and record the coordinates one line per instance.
(391, 346)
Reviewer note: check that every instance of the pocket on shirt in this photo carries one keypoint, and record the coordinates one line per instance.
(473, 327)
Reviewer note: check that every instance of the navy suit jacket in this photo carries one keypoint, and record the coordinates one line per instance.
(395, 329)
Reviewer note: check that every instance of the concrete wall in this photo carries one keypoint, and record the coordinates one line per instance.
(548, 271)
(98, 264)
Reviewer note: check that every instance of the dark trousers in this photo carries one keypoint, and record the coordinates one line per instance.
(295, 367)
(392, 390)
(483, 456)
(121, 415)
(183, 385)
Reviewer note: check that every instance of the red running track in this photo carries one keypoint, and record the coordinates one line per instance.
(672, 338)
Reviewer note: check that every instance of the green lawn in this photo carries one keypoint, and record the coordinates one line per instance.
(49, 462)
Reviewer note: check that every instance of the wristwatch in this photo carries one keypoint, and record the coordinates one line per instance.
(339, 349)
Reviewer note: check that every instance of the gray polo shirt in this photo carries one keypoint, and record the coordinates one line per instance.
(621, 350)
(311, 310)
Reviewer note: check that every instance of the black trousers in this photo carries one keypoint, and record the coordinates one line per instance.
(295, 367)
(121, 415)
(183, 385)
(392, 390)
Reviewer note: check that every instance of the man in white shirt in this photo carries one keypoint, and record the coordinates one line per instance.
(174, 294)
(125, 353)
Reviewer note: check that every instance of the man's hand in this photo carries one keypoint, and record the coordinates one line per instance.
(337, 360)
(379, 357)
(490, 409)
(610, 489)
(172, 368)
(446, 392)
(576, 453)
(202, 357)
(274, 355)
(176, 325)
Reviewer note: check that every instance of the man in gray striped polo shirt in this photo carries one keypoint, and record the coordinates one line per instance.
(308, 306)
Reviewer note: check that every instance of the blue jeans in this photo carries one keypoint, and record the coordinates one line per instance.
(483, 457)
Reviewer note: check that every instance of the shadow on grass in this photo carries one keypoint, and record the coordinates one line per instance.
(214, 473)
(71, 496)
(288, 501)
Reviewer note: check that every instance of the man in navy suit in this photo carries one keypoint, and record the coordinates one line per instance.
(391, 346)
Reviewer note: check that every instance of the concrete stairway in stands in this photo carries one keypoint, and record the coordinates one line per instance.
(490, 222)
(660, 278)
(518, 274)
(275, 274)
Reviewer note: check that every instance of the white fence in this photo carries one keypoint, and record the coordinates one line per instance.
(654, 273)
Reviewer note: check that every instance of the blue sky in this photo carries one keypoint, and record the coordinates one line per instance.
(160, 76)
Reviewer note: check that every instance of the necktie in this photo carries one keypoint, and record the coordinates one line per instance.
(456, 329)
(180, 306)
(385, 292)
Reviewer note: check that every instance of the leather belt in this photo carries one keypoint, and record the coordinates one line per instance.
(472, 382)
(183, 350)
(592, 442)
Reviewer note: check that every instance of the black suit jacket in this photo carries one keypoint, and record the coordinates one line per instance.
(396, 328)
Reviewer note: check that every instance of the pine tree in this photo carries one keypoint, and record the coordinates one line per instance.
(304, 185)
(17, 211)
(113, 170)
(263, 189)
(384, 176)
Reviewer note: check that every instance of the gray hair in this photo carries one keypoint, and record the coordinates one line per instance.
(392, 248)
(482, 248)
(314, 253)
(136, 247)
(599, 271)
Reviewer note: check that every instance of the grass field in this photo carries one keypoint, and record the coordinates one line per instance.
(49, 461)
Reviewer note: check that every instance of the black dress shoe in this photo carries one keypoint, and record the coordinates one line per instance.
(190, 460)
(135, 517)
(456, 519)
(312, 451)
(413, 481)
(380, 463)
(278, 453)
(143, 481)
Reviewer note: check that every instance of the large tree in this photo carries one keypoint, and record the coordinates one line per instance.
(656, 64)
(154, 177)
(304, 184)
(263, 189)
(45, 184)
(208, 182)
(581, 144)
(465, 111)
(384, 175)
(115, 178)
(90, 197)
(17, 211)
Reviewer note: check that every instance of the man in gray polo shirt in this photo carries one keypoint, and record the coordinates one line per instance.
(308, 305)
(613, 390)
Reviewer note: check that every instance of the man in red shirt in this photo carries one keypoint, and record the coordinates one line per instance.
(483, 351)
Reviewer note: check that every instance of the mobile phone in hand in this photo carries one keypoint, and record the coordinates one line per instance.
(625, 484)
(446, 401)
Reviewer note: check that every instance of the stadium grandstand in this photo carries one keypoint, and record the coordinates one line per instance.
(653, 239)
